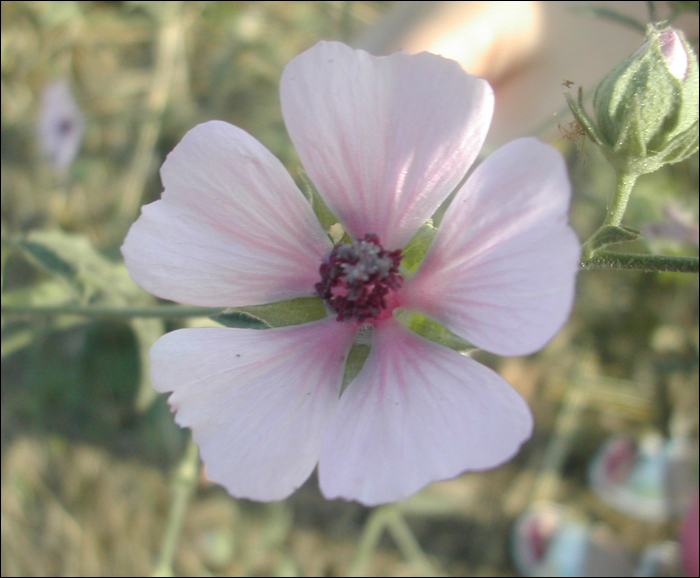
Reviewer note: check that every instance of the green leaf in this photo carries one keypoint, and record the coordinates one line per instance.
(72, 258)
(418, 246)
(49, 292)
(685, 6)
(5, 252)
(18, 337)
(282, 314)
(611, 235)
(47, 258)
(609, 14)
(433, 330)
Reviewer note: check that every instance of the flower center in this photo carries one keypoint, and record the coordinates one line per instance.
(355, 278)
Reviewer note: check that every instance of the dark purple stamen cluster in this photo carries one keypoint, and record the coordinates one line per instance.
(356, 277)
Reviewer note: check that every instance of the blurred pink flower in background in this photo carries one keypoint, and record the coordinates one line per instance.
(552, 540)
(631, 477)
(61, 126)
(678, 226)
(385, 141)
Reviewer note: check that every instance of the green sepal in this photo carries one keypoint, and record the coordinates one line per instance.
(281, 314)
(682, 146)
(418, 246)
(324, 215)
(432, 330)
(239, 320)
(579, 111)
(356, 360)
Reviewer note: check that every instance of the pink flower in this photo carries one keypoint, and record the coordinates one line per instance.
(385, 140)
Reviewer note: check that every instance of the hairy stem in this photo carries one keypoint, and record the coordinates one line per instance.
(650, 263)
(625, 183)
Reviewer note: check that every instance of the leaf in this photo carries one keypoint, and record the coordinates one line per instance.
(72, 258)
(46, 258)
(611, 235)
(611, 15)
(48, 292)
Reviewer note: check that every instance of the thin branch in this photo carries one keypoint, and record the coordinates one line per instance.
(162, 311)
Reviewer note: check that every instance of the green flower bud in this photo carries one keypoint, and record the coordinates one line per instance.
(647, 108)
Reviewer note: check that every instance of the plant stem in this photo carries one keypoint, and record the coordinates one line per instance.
(390, 517)
(167, 57)
(407, 544)
(602, 259)
(184, 483)
(625, 183)
(164, 311)
(369, 540)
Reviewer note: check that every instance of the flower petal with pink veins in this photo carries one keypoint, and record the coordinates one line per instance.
(231, 227)
(385, 139)
(258, 401)
(417, 413)
(502, 268)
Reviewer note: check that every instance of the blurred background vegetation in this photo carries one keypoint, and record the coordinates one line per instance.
(89, 452)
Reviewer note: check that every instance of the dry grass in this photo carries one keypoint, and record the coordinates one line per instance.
(86, 475)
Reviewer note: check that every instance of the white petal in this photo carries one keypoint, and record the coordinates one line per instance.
(502, 269)
(417, 413)
(258, 402)
(385, 139)
(231, 228)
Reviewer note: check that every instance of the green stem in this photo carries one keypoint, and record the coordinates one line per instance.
(390, 517)
(163, 311)
(408, 545)
(625, 183)
(371, 533)
(650, 263)
(549, 477)
(184, 484)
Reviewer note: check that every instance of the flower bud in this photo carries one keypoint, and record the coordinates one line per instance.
(646, 109)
